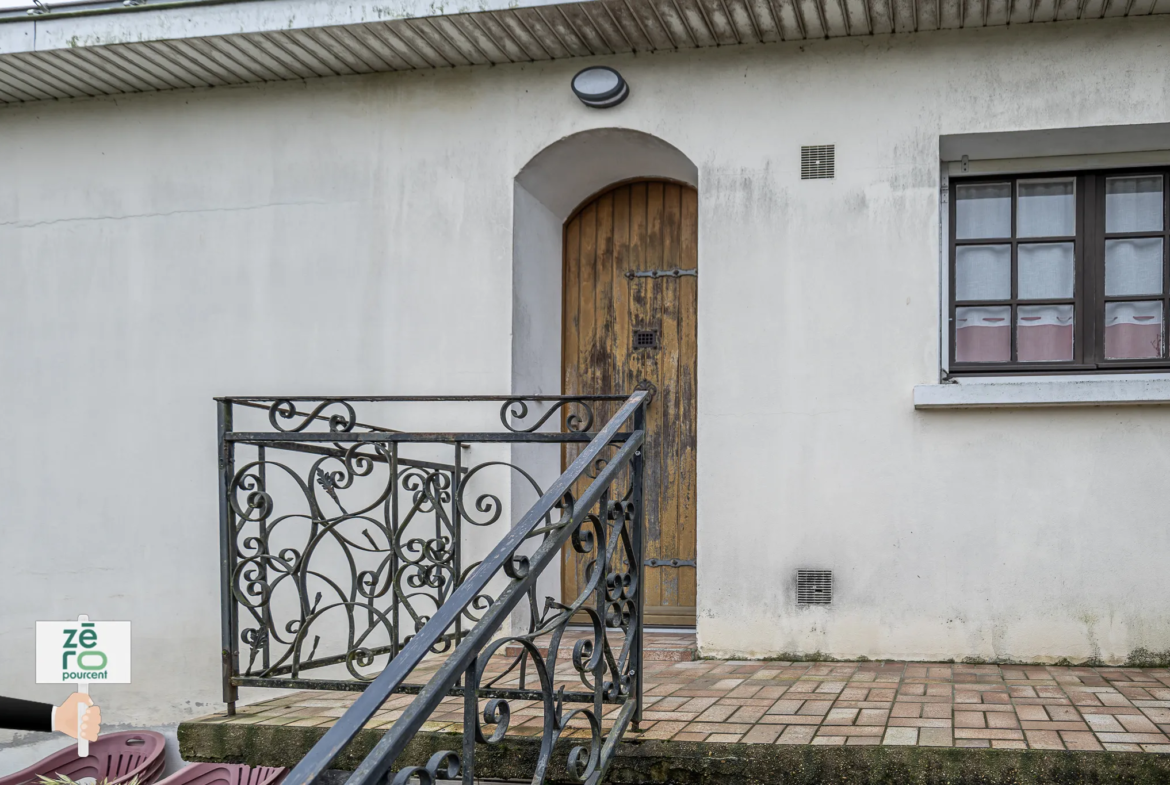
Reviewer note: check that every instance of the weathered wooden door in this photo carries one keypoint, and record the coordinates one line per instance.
(623, 325)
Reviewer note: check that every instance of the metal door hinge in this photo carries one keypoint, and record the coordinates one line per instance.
(675, 273)
(670, 562)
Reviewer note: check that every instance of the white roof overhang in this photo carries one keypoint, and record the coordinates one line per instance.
(112, 47)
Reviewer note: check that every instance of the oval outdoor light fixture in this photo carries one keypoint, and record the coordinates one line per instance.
(600, 87)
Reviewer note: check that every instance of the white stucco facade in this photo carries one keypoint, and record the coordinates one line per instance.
(365, 235)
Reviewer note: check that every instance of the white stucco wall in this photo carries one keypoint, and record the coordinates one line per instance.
(356, 235)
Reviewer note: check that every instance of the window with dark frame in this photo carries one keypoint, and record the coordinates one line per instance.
(1059, 273)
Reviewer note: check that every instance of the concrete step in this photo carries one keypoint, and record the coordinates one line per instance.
(646, 762)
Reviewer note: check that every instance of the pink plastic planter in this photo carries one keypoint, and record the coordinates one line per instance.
(116, 756)
(225, 774)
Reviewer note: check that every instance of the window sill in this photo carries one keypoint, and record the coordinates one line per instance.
(1047, 391)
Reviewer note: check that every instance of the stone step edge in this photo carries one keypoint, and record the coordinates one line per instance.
(644, 762)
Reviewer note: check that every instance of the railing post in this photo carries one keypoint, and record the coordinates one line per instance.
(395, 600)
(262, 473)
(470, 714)
(599, 593)
(637, 497)
(227, 564)
(456, 535)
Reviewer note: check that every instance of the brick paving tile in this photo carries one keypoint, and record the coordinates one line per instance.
(852, 730)
(1103, 723)
(840, 717)
(935, 737)
(1032, 713)
(747, 714)
(901, 736)
(762, 734)
(729, 738)
(1080, 740)
(717, 727)
(1137, 738)
(1058, 726)
(691, 736)
(969, 719)
(663, 730)
(785, 706)
(915, 722)
(720, 713)
(1001, 719)
(1063, 713)
(1080, 709)
(1136, 724)
(987, 733)
(744, 691)
(815, 708)
(789, 719)
(796, 734)
(697, 704)
(669, 715)
(902, 709)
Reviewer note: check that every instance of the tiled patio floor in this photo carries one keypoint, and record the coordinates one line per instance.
(838, 703)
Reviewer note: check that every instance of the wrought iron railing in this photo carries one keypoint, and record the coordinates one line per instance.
(346, 553)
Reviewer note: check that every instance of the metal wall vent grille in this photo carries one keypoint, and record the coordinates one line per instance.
(817, 162)
(645, 339)
(814, 587)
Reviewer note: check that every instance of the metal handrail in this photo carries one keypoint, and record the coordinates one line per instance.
(595, 658)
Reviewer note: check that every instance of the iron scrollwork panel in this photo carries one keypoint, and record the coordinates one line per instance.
(320, 580)
(339, 552)
(307, 558)
(608, 671)
(392, 559)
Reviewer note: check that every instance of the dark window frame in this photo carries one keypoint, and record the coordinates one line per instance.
(1088, 298)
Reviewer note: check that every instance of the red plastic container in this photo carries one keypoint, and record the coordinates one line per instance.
(118, 757)
(224, 774)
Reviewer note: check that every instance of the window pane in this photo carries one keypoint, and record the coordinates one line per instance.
(1047, 208)
(1044, 333)
(1133, 330)
(983, 210)
(1133, 266)
(1045, 270)
(983, 334)
(1133, 204)
(983, 272)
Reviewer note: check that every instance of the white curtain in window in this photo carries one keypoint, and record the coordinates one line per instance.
(1133, 331)
(1046, 208)
(1044, 333)
(983, 334)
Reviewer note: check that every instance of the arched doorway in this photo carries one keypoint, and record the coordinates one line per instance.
(629, 313)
